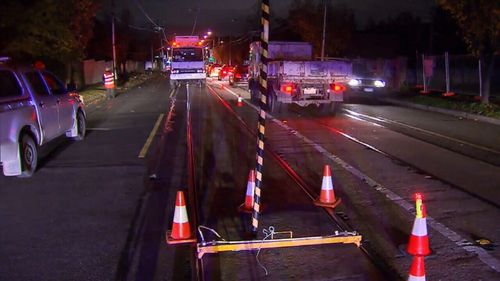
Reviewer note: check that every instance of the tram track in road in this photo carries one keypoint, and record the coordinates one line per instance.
(453, 236)
(334, 217)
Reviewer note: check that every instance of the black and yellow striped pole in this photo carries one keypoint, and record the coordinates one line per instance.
(264, 41)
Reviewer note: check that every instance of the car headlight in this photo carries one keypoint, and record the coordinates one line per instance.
(354, 82)
(379, 83)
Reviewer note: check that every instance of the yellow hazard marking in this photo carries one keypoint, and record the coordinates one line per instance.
(146, 146)
(265, 8)
(261, 144)
(232, 246)
(262, 129)
(257, 191)
(263, 114)
(418, 208)
(256, 207)
(259, 175)
(260, 160)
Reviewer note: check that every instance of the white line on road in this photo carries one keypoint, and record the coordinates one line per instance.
(461, 242)
(384, 120)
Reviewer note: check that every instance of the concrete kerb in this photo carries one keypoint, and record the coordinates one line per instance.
(455, 113)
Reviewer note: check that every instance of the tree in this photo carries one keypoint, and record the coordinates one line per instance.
(306, 19)
(56, 31)
(480, 24)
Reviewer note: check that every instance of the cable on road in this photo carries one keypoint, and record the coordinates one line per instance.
(209, 229)
(268, 233)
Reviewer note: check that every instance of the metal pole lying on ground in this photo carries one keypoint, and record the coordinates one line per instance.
(262, 113)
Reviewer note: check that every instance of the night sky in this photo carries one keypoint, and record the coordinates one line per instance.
(224, 16)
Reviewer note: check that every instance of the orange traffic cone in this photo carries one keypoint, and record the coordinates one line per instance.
(247, 206)
(181, 231)
(419, 240)
(327, 197)
(240, 101)
(417, 269)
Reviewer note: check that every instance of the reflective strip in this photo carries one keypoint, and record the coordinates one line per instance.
(180, 214)
(256, 207)
(262, 129)
(257, 191)
(418, 208)
(250, 188)
(259, 177)
(327, 183)
(419, 227)
(260, 160)
(416, 278)
(265, 8)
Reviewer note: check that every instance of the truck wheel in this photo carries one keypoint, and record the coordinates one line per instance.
(29, 156)
(81, 127)
(330, 108)
(273, 104)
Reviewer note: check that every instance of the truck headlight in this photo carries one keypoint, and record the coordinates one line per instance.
(354, 82)
(379, 83)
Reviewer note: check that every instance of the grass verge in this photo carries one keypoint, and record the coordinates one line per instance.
(457, 103)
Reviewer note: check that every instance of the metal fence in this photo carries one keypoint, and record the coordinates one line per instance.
(456, 73)
(453, 73)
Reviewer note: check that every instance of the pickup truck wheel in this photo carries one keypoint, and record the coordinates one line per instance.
(81, 126)
(29, 156)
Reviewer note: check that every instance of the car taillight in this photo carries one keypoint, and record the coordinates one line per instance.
(337, 87)
(175, 71)
(237, 75)
(288, 88)
(223, 72)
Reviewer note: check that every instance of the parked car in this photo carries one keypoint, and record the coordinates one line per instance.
(35, 108)
(225, 71)
(239, 75)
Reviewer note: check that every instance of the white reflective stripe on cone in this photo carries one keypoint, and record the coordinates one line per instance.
(250, 188)
(419, 227)
(327, 183)
(180, 215)
(416, 278)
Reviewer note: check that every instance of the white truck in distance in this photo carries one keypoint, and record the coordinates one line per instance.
(293, 77)
(187, 60)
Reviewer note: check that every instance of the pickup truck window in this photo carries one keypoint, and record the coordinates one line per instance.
(55, 86)
(37, 83)
(9, 85)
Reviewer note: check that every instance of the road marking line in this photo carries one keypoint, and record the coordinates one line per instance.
(145, 148)
(384, 120)
(453, 236)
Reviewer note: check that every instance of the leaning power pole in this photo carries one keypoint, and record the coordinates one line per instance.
(264, 41)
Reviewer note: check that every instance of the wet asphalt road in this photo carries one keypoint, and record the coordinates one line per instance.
(71, 220)
(95, 211)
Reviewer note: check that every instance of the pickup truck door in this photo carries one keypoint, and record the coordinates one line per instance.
(64, 101)
(46, 104)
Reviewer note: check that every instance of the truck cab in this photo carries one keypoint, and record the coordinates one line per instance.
(35, 108)
(188, 64)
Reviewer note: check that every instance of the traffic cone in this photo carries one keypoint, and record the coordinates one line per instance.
(417, 269)
(181, 231)
(419, 240)
(327, 196)
(247, 206)
(240, 101)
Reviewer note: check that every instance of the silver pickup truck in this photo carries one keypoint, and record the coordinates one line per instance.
(35, 108)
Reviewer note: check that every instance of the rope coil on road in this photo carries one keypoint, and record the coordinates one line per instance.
(268, 233)
(262, 113)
